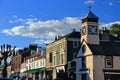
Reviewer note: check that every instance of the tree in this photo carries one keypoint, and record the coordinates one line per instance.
(5, 52)
(115, 29)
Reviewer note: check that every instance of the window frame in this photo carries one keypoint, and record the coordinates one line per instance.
(50, 57)
(62, 58)
(108, 59)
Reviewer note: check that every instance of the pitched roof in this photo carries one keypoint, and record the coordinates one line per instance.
(73, 34)
(108, 48)
(108, 37)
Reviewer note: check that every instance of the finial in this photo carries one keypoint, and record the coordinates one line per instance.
(89, 7)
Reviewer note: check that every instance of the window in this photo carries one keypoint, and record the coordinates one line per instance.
(61, 58)
(109, 62)
(83, 62)
(37, 64)
(75, 44)
(83, 49)
(50, 57)
(57, 58)
(40, 63)
(43, 63)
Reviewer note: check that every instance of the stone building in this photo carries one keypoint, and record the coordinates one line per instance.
(60, 53)
(19, 57)
(99, 54)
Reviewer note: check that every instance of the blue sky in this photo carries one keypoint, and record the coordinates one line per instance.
(24, 22)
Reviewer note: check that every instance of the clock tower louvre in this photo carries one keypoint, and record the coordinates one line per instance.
(89, 28)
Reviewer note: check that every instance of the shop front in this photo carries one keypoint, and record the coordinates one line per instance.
(61, 73)
(36, 74)
(49, 75)
(111, 74)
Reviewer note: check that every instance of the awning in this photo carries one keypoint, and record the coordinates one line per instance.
(34, 70)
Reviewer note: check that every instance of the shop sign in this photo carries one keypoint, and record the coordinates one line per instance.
(84, 72)
(60, 68)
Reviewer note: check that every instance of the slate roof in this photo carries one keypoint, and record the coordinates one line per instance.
(111, 37)
(90, 14)
(110, 47)
(107, 48)
(73, 34)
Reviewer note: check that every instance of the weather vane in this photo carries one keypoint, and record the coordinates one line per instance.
(89, 7)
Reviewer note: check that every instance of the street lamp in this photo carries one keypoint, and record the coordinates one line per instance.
(5, 52)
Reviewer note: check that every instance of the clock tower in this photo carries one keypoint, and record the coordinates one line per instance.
(89, 28)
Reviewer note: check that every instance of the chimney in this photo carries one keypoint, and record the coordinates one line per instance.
(105, 34)
(59, 37)
(39, 49)
(55, 38)
(33, 46)
(73, 30)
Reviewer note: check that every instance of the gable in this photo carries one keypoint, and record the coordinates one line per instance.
(84, 50)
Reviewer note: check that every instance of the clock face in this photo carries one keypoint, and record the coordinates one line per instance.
(93, 30)
(84, 30)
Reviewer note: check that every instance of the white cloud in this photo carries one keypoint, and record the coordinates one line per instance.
(110, 3)
(107, 25)
(43, 41)
(47, 30)
(89, 2)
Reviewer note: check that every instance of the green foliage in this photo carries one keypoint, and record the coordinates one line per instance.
(115, 28)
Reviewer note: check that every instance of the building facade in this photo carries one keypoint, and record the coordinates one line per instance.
(98, 57)
(34, 65)
(15, 64)
(59, 53)
(19, 56)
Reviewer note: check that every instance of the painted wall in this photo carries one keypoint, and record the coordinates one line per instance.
(89, 63)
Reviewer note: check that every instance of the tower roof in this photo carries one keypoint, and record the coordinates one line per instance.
(90, 14)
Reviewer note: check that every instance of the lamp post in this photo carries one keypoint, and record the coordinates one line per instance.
(5, 52)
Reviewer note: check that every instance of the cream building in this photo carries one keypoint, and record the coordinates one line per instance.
(59, 53)
(99, 54)
(35, 66)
